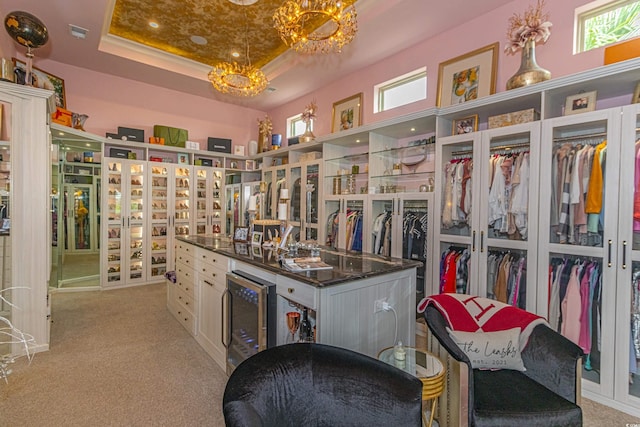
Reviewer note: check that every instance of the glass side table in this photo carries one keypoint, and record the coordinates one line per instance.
(427, 368)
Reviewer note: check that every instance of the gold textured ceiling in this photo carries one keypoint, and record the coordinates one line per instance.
(221, 22)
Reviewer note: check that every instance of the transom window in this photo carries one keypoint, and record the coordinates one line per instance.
(296, 126)
(402, 90)
(604, 22)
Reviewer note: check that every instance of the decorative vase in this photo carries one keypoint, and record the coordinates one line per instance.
(264, 142)
(307, 136)
(529, 72)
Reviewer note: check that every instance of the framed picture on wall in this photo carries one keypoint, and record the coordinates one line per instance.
(347, 113)
(468, 77)
(41, 79)
(580, 103)
(465, 125)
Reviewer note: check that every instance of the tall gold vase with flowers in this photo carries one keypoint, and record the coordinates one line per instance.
(307, 117)
(265, 128)
(523, 34)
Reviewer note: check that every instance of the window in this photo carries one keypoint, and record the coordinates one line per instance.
(296, 126)
(604, 22)
(400, 91)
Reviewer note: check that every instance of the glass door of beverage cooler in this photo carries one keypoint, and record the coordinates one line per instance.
(251, 316)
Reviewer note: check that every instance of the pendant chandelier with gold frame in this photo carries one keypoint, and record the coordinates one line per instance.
(301, 26)
(239, 79)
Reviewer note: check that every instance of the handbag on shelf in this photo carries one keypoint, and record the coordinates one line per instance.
(173, 137)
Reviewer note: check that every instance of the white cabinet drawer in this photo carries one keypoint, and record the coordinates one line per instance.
(297, 292)
(186, 248)
(186, 257)
(185, 317)
(186, 300)
(206, 271)
(213, 259)
(185, 272)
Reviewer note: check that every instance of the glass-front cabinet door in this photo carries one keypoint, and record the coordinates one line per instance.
(115, 222)
(488, 188)
(311, 194)
(182, 201)
(125, 257)
(579, 204)
(458, 170)
(159, 221)
(136, 222)
(627, 380)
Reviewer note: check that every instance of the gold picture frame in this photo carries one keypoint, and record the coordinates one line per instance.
(580, 103)
(347, 113)
(465, 125)
(468, 77)
(636, 95)
(42, 80)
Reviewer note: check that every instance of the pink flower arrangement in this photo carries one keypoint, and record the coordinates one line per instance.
(533, 25)
(310, 112)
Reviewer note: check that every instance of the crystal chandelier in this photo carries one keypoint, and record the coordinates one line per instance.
(239, 79)
(301, 25)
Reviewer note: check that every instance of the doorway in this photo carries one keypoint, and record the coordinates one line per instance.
(75, 213)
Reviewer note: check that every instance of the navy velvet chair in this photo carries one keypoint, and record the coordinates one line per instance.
(545, 395)
(311, 384)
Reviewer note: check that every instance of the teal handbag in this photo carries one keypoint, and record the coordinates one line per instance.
(174, 137)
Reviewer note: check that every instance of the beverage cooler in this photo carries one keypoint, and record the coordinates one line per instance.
(251, 322)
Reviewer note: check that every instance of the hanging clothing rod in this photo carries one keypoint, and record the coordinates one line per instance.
(512, 147)
(580, 137)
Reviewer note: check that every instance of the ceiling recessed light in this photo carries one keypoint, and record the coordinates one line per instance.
(235, 54)
(154, 24)
(78, 32)
(413, 129)
(271, 89)
(198, 40)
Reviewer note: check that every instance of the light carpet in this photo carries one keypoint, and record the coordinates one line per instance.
(118, 358)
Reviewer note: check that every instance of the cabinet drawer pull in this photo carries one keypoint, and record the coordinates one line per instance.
(291, 290)
(609, 252)
(208, 283)
(624, 254)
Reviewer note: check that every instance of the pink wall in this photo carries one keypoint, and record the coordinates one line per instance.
(113, 101)
(556, 56)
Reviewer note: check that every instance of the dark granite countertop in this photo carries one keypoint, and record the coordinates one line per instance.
(347, 265)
